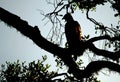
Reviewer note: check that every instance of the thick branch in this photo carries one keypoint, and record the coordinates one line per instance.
(105, 53)
(103, 37)
(35, 36)
(31, 32)
(96, 66)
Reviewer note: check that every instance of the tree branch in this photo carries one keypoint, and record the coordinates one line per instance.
(107, 37)
(96, 66)
(91, 19)
(34, 34)
(112, 55)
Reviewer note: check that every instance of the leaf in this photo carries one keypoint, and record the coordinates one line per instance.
(69, 0)
(74, 6)
(47, 66)
(109, 45)
(44, 58)
(117, 27)
(87, 37)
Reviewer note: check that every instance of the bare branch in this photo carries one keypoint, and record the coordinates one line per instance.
(105, 53)
(35, 36)
(61, 74)
(104, 29)
(103, 37)
(96, 66)
(92, 20)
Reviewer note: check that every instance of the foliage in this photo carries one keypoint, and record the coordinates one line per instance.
(70, 6)
(38, 72)
(34, 72)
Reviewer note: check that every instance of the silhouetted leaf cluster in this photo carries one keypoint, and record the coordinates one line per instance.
(38, 72)
(33, 72)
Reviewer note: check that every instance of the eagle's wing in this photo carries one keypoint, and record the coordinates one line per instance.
(78, 30)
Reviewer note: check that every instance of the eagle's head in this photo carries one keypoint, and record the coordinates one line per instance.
(68, 17)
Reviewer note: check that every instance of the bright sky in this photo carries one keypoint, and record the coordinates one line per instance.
(14, 46)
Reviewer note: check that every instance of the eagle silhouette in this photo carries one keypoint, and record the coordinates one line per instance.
(73, 33)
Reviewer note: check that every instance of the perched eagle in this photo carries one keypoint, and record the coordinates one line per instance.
(72, 32)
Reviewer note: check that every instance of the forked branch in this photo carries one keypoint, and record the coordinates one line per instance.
(34, 34)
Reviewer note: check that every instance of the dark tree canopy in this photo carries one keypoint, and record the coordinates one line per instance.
(110, 34)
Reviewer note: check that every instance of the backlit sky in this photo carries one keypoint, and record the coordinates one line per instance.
(14, 46)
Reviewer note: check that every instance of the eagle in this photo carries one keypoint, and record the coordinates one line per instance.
(73, 33)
